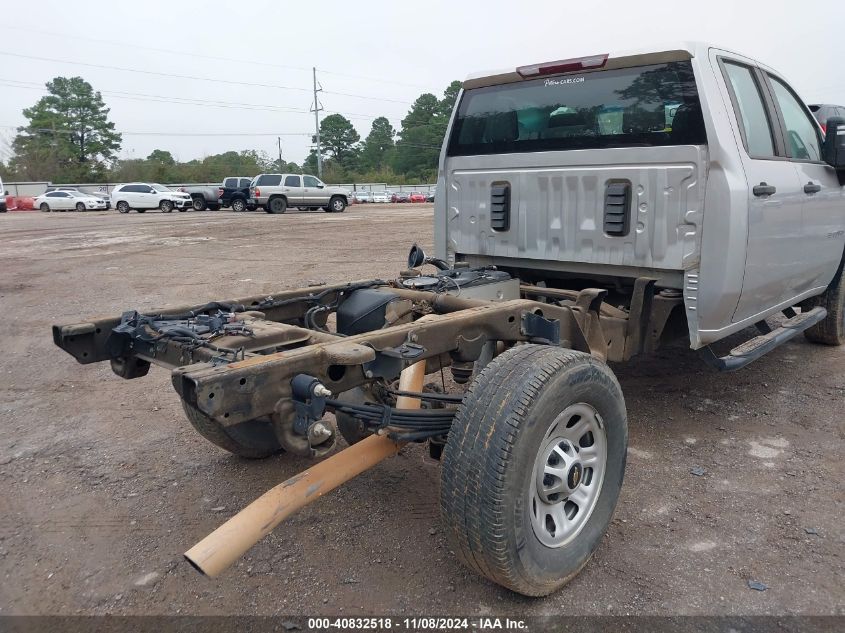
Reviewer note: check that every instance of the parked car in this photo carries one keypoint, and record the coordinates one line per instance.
(416, 197)
(142, 196)
(361, 197)
(823, 112)
(203, 197)
(97, 194)
(234, 193)
(399, 197)
(68, 201)
(380, 197)
(3, 197)
(276, 192)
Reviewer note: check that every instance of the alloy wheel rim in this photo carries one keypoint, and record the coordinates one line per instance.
(567, 476)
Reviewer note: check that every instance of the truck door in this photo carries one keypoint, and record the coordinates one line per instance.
(774, 248)
(823, 208)
(292, 186)
(315, 195)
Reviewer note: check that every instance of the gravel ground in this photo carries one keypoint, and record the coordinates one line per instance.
(105, 484)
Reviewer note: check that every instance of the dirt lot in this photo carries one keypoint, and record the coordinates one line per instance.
(105, 484)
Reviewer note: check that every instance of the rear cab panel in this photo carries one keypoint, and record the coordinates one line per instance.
(566, 147)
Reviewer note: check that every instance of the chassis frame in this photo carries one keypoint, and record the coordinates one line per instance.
(252, 376)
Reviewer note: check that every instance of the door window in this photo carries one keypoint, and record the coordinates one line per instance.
(802, 138)
(292, 181)
(751, 113)
(310, 181)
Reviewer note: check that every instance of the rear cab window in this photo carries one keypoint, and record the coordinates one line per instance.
(644, 106)
(230, 183)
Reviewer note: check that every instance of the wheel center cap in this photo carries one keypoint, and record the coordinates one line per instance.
(574, 476)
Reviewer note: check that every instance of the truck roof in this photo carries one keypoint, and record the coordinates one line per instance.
(678, 51)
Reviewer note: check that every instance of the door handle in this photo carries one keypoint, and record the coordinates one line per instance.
(764, 190)
(811, 188)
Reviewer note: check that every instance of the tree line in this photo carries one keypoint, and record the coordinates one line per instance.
(69, 138)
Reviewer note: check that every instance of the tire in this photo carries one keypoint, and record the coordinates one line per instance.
(511, 426)
(238, 205)
(122, 207)
(166, 206)
(45, 208)
(214, 207)
(198, 203)
(337, 204)
(254, 439)
(831, 329)
(80, 206)
(276, 205)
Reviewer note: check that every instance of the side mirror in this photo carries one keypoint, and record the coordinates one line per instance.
(834, 143)
(320, 186)
(6, 193)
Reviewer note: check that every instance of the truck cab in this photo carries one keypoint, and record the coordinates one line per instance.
(694, 166)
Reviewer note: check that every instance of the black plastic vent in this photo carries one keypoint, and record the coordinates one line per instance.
(617, 205)
(500, 207)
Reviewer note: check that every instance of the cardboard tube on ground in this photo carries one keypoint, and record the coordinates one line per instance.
(217, 551)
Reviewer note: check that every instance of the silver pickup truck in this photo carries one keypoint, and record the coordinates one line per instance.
(276, 192)
(587, 211)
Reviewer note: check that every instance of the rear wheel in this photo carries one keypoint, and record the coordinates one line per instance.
(533, 466)
(80, 206)
(277, 205)
(198, 203)
(45, 208)
(238, 205)
(166, 206)
(122, 207)
(831, 329)
(337, 204)
(253, 439)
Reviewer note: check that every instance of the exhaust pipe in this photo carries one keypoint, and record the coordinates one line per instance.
(217, 551)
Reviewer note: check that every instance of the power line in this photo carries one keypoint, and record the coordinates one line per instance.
(134, 96)
(192, 77)
(251, 62)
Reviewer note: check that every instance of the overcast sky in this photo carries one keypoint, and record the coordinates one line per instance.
(386, 51)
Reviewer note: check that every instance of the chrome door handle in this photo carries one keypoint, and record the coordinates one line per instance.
(811, 188)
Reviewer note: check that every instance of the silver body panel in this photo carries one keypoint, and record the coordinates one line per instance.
(695, 224)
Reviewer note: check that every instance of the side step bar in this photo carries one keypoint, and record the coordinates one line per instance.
(753, 349)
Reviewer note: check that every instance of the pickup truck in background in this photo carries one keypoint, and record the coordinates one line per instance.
(203, 197)
(276, 192)
(234, 193)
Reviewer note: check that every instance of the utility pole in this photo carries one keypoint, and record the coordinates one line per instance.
(281, 167)
(317, 107)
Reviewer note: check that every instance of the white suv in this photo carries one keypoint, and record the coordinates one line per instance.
(142, 196)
